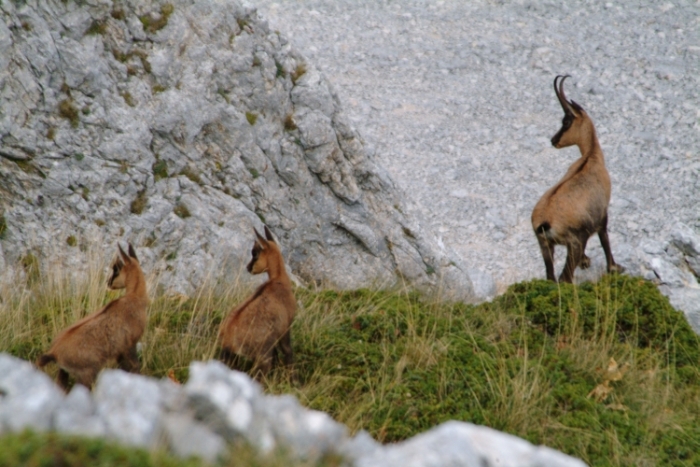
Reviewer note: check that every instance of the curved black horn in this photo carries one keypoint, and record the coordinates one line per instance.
(560, 93)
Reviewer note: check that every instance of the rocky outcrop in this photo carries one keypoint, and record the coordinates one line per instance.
(180, 126)
(218, 406)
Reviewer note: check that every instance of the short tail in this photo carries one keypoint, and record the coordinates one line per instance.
(543, 228)
(45, 360)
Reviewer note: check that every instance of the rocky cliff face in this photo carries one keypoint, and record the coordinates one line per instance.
(178, 127)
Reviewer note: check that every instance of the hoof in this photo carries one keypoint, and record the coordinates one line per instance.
(616, 269)
(585, 262)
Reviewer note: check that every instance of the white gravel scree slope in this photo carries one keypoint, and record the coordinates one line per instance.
(457, 99)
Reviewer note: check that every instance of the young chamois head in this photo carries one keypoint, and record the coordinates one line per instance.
(265, 253)
(575, 124)
(123, 268)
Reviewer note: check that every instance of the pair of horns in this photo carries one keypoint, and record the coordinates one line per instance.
(268, 236)
(132, 253)
(570, 107)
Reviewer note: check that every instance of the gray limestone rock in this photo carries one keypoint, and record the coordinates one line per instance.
(77, 414)
(130, 407)
(28, 397)
(181, 136)
(458, 444)
(187, 438)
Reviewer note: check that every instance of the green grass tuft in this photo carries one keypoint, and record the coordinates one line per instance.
(251, 117)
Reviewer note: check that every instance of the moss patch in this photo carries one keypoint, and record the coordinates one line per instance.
(182, 211)
(139, 203)
(97, 27)
(151, 24)
(298, 72)
(3, 227)
(289, 123)
(251, 117)
(67, 110)
(192, 174)
(160, 169)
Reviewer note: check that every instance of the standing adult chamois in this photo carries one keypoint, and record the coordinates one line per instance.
(84, 348)
(260, 326)
(576, 207)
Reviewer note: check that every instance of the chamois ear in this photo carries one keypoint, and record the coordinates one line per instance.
(576, 107)
(268, 235)
(260, 239)
(132, 252)
(125, 257)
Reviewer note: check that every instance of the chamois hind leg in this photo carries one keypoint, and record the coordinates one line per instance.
(285, 345)
(129, 361)
(574, 255)
(605, 243)
(547, 248)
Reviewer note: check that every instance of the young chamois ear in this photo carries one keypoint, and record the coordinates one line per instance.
(260, 326)
(112, 333)
(577, 206)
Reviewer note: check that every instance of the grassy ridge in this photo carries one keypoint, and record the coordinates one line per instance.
(607, 372)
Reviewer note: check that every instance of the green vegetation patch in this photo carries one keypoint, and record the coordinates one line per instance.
(51, 449)
(3, 227)
(607, 372)
(32, 449)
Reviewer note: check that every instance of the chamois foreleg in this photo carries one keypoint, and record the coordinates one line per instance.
(129, 361)
(285, 346)
(62, 379)
(547, 248)
(605, 243)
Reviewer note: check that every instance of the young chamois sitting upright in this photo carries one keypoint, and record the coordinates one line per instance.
(577, 206)
(260, 326)
(84, 348)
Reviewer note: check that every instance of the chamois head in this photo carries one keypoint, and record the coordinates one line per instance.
(575, 122)
(263, 250)
(122, 267)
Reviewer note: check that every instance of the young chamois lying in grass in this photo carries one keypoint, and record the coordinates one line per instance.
(576, 207)
(84, 348)
(260, 326)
